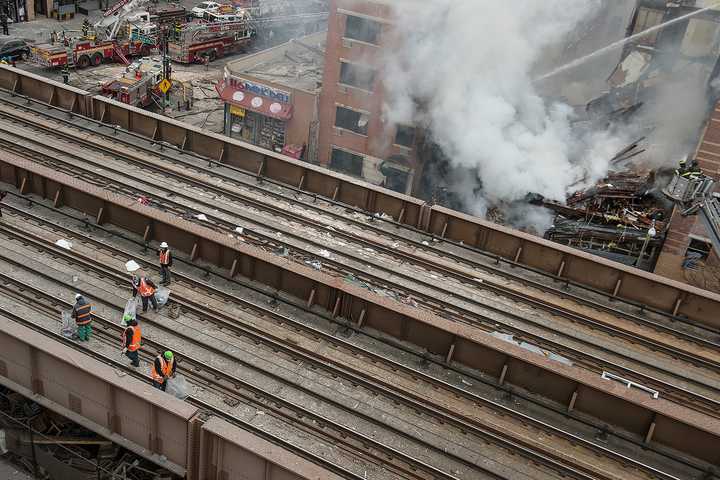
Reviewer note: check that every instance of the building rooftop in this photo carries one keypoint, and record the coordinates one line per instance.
(296, 64)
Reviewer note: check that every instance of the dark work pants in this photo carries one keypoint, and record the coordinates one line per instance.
(160, 386)
(145, 302)
(165, 274)
(134, 356)
(5, 29)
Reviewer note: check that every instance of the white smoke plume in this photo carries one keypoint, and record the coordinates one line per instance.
(464, 69)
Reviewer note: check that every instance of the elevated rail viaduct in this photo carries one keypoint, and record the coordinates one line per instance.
(657, 421)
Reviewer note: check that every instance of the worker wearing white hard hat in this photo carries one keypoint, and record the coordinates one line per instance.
(165, 258)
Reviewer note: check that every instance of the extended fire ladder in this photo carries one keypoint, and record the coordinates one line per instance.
(198, 32)
(695, 195)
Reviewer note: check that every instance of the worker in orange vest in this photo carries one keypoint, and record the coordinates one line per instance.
(132, 338)
(165, 263)
(162, 369)
(82, 313)
(143, 285)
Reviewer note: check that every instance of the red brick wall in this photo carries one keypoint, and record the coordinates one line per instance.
(378, 141)
(708, 156)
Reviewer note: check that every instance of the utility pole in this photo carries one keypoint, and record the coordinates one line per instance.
(166, 63)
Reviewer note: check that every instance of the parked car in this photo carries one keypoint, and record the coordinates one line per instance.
(14, 49)
(205, 7)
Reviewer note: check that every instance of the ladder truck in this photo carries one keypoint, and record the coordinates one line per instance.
(694, 194)
(102, 45)
(205, 41)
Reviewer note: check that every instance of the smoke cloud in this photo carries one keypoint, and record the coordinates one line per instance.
(464, 70)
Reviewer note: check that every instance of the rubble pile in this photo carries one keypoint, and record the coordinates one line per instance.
(622, 217)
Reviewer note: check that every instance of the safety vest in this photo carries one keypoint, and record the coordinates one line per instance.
(135, 342)
(82, 314)
(165, 369)
(145, 289)
(165, 257)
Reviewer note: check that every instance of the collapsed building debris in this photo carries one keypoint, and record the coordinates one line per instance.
(622, 217)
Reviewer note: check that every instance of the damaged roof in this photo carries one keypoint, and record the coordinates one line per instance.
(296, 64)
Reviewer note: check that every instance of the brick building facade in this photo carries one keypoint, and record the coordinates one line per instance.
(354, 137)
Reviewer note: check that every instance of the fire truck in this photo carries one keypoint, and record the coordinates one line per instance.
(205, 41)
(104, 42)
(83, 53)
(138, 84)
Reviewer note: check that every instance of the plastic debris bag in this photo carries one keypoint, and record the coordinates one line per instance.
(69, 327)
(132, 266)
(162, 295)
(130, 310)
(178, 387)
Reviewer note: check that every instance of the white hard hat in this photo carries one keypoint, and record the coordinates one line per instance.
(163, 245)
(77, 295)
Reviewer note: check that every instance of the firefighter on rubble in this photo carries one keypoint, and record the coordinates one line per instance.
(143, 285)
(82, 313)
(162, 369)
(131, 339)
(165, 258)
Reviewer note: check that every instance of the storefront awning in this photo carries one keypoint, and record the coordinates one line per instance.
(255, 103)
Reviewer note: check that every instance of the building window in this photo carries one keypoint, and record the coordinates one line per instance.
(351, 120)
(405, 136)
(363, 29)
(357, 76)
(647, 18)
(698, 251)
(346, 162)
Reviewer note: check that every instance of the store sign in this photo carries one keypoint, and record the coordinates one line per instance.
(237, 111)
(264, 91)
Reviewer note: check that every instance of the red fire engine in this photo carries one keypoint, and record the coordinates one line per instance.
(206, 41)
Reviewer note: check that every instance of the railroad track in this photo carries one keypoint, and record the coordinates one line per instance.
(308, 355)
(255, 181)
(465, 256)
(236, 391)
(688, 354)
(146, 358)
(234, 382)
(496, 319)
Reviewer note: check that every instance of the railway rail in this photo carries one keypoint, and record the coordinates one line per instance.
(543, 459)
(206, 407)
(308, 356)
(552, 262)
(396, 463)
(466, 274)
(697, 394)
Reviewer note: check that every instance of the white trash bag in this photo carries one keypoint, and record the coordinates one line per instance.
(69, 327)
(132, 266)
(178, 387)
(130, 310)
(162, 294)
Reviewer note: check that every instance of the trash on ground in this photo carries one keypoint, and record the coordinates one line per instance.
(69, 327)
(64, 244)
(162, 295)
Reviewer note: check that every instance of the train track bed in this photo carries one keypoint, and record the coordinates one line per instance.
(399, 237)
(659, 365)
(468, 383)
(364, 405)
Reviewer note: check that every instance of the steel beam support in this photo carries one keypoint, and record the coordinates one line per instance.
(85, 390)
